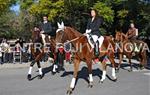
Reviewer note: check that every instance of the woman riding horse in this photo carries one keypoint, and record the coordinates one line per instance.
(84, 52)
(93, 32)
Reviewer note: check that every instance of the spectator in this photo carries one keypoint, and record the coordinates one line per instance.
(29, 53)
(20, 41)
(5, 48)
(68, 52)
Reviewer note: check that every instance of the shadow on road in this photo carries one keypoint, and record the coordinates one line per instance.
(47, 69)
(83, 74)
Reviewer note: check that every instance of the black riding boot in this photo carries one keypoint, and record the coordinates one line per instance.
(96, 49)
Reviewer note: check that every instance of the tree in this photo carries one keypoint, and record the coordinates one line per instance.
(74, 13)
(107, 13)
(5, 5)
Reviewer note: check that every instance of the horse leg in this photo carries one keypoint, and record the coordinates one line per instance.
(30, 70)
(38, 57)
(104, 72)
(40, 70)
(89, 64)
(76, 67)
(143, 60)
(131, 68)
(120, 61)
(55, 66)
(113, 68)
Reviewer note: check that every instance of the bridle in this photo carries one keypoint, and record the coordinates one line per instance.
(63, 33)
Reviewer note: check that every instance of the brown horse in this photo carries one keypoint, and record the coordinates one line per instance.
(128, 47)
(38, 50)
(84, 53)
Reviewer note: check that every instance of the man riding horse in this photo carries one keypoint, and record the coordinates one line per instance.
(92, 32)
(132, 32)
(46, 29)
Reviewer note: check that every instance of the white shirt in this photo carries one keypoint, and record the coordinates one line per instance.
(45, 22)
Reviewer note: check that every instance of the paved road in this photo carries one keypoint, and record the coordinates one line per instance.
(13, 82)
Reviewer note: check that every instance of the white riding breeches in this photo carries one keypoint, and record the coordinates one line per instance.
(43, 38)
(95, 39)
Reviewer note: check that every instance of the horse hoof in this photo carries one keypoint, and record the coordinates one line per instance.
(69, 92)
(58, 71)
(130, 70)
(101, 81)
(90, 85)
(117, 70)
(53, 73)
(40, 76)
(141, 68)
(115, 79)
(29, 77)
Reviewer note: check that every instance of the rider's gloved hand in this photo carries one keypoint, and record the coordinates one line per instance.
(42, 32)
(88, 31)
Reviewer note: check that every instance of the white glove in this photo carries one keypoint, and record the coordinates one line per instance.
(88, 30)
(42, 32)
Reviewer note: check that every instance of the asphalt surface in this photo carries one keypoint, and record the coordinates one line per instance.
(13, 81)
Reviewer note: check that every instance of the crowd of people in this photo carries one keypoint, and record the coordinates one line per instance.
(12, 51)
(9, 49)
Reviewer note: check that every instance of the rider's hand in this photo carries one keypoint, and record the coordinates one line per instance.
(42, 32)
(88, 30)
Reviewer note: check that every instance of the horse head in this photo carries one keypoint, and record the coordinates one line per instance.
(36, 37)
(64, 33)
(60, 33)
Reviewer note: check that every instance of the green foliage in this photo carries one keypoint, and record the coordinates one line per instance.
(25, 4)
(48, 7)
(75, 13)
(105, 11)
(5, 4)
(7, 25)
(122, 13)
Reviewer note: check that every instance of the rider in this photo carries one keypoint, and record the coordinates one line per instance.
(46, 28)
(93, 32)
(132, 33)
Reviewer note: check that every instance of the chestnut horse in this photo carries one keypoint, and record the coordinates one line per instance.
(38, 50)
(128, 47)
(79, 41)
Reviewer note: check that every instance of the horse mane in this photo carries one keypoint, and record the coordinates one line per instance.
(74, 31)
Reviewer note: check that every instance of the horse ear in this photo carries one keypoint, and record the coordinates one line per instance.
(62, 24)
(59, 26)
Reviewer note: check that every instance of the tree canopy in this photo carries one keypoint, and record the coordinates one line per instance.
(117, 14)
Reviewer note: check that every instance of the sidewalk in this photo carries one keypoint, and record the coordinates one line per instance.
(23, 65)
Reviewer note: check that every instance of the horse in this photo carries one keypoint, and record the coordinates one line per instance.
(38, 50)
(127, 47)
(79, 41)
